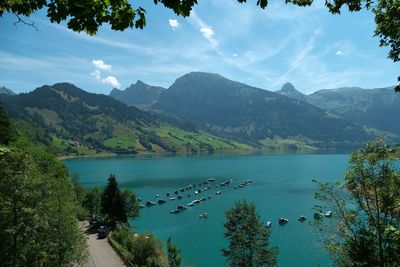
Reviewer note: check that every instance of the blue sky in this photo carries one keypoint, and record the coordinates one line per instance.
(264, 48)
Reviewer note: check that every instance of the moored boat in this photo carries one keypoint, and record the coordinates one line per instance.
(302, 218)
(328, 213)
(283, 221)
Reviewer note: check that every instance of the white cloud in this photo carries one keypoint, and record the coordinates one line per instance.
(339, 53)
(173, 23)
(99, 64)
(208, 33)
(96, 74)
(206, 30)
(111, 80)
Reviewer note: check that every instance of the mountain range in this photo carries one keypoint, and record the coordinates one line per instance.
(203, 112)
(85, 123)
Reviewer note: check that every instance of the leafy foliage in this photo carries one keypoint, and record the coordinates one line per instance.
(174, 257)
(366, 232)
(247, 237)
(37, 210)
(140, 249)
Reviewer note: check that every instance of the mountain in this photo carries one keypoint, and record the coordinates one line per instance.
(376, 108)
(84, 123)
(289, 91)
(138, 94)
(232, 109)
(6, 91)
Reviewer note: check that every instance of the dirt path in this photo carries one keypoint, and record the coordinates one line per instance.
(101, 254)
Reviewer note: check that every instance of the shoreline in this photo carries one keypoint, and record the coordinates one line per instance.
(216, 152)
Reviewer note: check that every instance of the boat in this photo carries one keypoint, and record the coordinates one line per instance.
(196, 201)
(209, 196)
(181, 207)
(180, 197)
(142, 206)
(167, 194)
(268, 224)
(182, 190)
(302, 218)
(203, 215)
(318, 215)
(249, 181)
(196, 192)
(199, 191)
(176, 192)
(328, 213)
(283, 221)
(161, 201)
(218, 193)
(211, 180)
(174, 211)
(172, 198)
(205, 182)
(190, 204)
(150, 203)
(202, 199)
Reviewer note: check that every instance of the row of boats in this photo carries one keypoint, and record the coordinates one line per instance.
(302, 218)
(194, 190)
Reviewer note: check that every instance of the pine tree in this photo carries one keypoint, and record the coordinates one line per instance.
(247, 237)
(111, 204)
(174, 257)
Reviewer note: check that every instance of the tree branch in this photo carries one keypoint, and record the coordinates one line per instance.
(20, 20)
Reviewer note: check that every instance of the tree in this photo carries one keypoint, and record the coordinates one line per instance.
(174, 257)
(366, 229)
(38, 225)
(118, 206)
(247, 237)
(140, 249)
(92, 202)
(89, 15)
(5, 127)
(130, 206)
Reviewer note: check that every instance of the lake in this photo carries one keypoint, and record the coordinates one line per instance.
(282, 187)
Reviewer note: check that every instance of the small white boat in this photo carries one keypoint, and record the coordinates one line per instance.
(268, 224)
(172, 198)
(328, 213)
(219, 193)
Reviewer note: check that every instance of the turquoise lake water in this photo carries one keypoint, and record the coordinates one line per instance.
(282, 187)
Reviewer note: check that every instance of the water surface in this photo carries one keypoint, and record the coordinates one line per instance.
(282, 187)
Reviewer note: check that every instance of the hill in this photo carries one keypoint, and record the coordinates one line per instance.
(79, 122)
(235, 110)
(6, 91)
(376, 108)
(138, 94)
